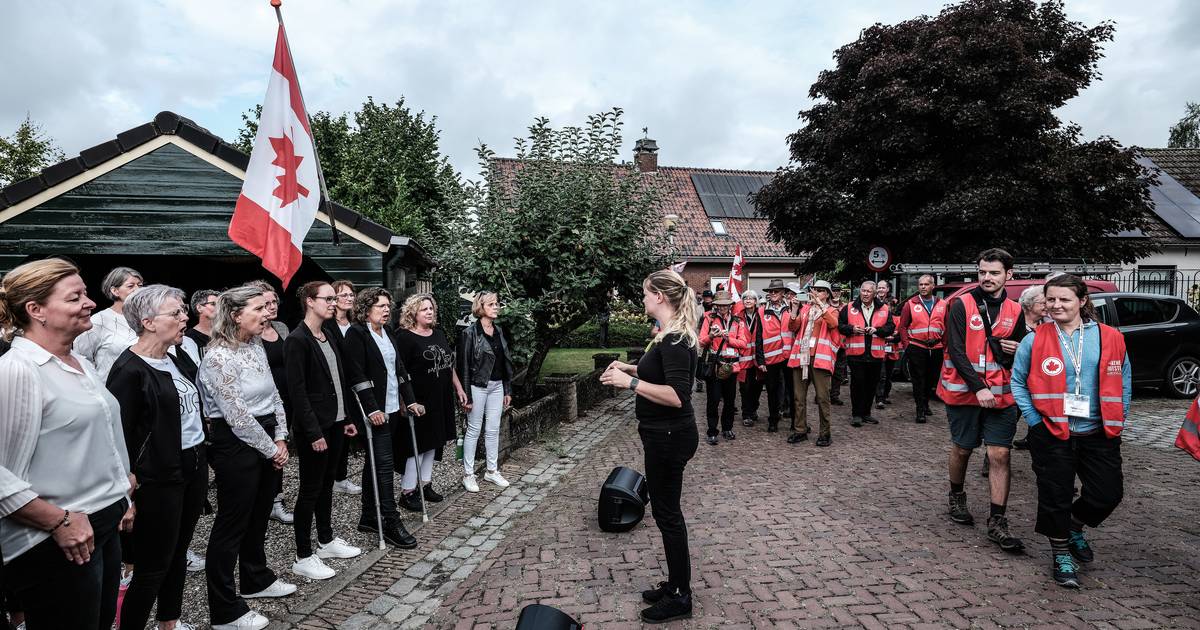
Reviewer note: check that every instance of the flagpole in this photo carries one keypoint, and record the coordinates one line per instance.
(326, 202)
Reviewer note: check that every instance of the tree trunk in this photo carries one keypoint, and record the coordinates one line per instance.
(534, 368)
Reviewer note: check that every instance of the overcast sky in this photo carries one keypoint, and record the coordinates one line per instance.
(719, 84)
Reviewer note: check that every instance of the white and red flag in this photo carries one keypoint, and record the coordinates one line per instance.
(737, 282)
(282, 192)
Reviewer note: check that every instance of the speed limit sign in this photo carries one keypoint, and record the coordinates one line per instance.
(878, 258)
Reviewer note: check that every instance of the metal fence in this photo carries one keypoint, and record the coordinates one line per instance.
(1183, 283)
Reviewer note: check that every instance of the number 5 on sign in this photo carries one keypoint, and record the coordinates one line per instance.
(878, 258)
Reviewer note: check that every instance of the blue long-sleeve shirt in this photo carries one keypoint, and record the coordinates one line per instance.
(1090, 377)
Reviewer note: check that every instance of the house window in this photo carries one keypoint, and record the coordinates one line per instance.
(1157, 279)
(718, 228)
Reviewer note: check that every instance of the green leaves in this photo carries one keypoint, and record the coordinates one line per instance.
(26, 152)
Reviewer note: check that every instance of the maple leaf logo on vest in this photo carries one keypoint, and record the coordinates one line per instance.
(1052, 366)
(976, 322)
(285, 158)
(918, 308)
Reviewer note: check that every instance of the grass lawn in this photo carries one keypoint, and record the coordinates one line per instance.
(573, 360)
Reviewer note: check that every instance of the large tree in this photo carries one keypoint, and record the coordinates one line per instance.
(26, 152)
(937, 137)
(1185, 134)
(557, 229)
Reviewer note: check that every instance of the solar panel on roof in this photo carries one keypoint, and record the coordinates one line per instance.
(727, 196)
(1174, 204)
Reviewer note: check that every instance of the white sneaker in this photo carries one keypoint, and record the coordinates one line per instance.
(495, 477)
(312, 568)
(280, 513)
(278, 588)
(346, 486)
(470, 484)
(248, 621)
(337, 548)
(195, 562)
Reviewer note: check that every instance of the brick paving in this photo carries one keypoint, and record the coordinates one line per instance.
(792, 536)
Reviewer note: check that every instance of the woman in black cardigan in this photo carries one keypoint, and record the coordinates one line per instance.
(160, 412)
(320, 399)
(371, 350)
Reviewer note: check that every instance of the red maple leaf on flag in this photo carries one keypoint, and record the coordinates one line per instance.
(285, 157)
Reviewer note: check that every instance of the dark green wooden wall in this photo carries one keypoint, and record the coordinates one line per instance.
(165, 203)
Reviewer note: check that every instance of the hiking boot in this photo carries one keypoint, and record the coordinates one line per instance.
(672, 606)
(652, 595)
(998, 533)
(958, 509)
(824, 440)
(1080, 548)
(1064, 570)
(796, 438)
(855, 421)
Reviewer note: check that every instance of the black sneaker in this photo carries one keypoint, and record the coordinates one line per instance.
(796, 438)
(672, 606)
(431, 495)
(998, 533)
(855, 421)
(870, 420)
(824, 440)
(1064, 570)
(712, 440)
(1080, 548)
(652, 595)
(958, 509)
(728, 435)
(396, 535)
(409, 501)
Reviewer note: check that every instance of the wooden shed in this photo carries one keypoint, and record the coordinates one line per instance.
(159, 197)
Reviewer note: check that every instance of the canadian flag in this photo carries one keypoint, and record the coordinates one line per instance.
(281, 193)
(736, 280)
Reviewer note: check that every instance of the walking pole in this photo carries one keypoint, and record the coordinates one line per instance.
(371, 458)
(412, 430)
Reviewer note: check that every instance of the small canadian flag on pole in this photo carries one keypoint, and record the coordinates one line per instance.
(283, 188)
(736, 279)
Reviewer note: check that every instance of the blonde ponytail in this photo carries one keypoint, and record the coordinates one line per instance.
(682, 299)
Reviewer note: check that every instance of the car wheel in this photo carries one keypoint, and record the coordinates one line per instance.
(1183, 377)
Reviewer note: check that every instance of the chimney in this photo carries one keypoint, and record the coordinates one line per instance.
(645, 153)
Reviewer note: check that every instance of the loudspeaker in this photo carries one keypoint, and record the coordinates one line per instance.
(541, 617)
(623, 499)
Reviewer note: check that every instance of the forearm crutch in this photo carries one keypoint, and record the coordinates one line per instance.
(371, 458)
(412, 430)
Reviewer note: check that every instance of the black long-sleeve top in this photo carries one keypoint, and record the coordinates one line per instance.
(847, 329)
(956, 336)
(668, 362)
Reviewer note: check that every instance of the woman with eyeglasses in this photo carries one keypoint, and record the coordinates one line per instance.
(160, 413)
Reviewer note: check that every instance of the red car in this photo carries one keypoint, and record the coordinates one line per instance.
(1014, 287)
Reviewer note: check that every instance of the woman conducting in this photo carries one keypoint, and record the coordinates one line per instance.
(1071, 379)
(662, 382)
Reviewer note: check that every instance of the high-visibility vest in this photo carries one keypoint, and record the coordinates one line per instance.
(824, 353)
(925, 327)
(952, 389)
(730, 347)
(1189, 433)
(747, 361)
(893, 348)
(777, 339)
(1047, 380)
(857, 344)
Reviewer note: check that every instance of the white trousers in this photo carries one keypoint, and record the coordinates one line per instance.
(424, 462)
(487, 403)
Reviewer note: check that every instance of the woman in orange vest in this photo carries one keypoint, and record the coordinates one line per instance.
(814, 353)
(1071, 379)
(722, 339)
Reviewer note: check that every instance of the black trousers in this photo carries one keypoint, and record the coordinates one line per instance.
(924, 368)
(385, 467)
(341, 458)
(720, 391)
(841, 374)
(315, 497)
(56, 593)
(864, 378)
(787, 404)
(667, 454)
(778, 379)
(166, 519)
(245, 489)
(1095, 459)
(751, 392)
(883, 390)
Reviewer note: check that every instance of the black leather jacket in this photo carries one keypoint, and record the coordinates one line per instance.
(475, 358)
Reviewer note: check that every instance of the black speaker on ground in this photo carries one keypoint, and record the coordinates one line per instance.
(623, 499)
(541, 617)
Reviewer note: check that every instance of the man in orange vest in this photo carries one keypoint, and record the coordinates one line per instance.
(814, 351)
(864, 324)
(921, 321)
(776, 345)
(983, 328)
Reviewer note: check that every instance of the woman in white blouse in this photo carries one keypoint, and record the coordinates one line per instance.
(64, 469)
(110, 334)
(247, 437)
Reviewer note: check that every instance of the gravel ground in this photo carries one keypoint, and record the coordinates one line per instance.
(281, 542)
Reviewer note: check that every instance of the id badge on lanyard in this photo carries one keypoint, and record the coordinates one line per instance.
(1078, 404)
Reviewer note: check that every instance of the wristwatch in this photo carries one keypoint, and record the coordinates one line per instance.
(633, 383)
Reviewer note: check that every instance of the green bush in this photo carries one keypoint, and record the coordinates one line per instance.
(626, 329)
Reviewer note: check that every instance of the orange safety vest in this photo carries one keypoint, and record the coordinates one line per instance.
(732, 343)
(777, 339)
(894, 348)
(1047, 380)
(1189, 433)
(824, 352)
(952, 389)
(927, 327)
(857, 344)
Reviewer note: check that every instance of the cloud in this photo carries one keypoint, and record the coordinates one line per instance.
(718, 84)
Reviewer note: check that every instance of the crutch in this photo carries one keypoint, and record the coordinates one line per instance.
(412, 430)
(371, 457)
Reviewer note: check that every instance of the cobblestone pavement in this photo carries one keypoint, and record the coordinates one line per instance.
(790, 536)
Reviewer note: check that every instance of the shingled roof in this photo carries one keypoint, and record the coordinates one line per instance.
(165, 123)
(1183, 165)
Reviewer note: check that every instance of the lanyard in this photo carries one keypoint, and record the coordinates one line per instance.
(1076, 357)
(928, 305)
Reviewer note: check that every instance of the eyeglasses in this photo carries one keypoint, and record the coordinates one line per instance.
(345, 295)
(327, 298)
(212, 303)
(177, 313)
